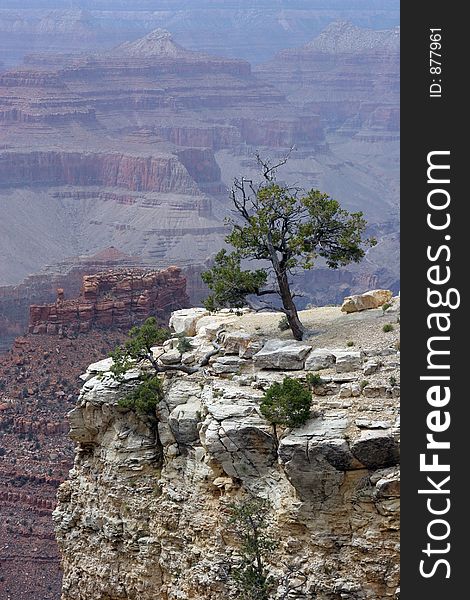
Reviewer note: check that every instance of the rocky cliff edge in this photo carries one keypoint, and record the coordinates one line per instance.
(143, 513)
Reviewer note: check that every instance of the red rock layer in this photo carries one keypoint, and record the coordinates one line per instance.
(116, 299)
(38, 385)
(153, 174)
(41, 287)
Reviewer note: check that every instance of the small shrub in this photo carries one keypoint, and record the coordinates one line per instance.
(313, 379)
(184, 344)
(144, 398)
(349, 344)
(287, 403)
(387, 327)
(283, 324)
(386, 306)
(392, 381)
(363, 384)
(138, 347)
(249, 523)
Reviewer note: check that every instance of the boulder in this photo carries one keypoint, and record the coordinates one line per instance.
(371, 367)
(227, 364)
(249, 351)
(183, 421)
(282, 354)
(188, 358)
(315, 458)
(320, 358)
(348, 360)
(236, 342)
(184, 321)
(210, 325)
(172, 357)
(371, 299)
(345, 390)
(376, 449)
(102, 366)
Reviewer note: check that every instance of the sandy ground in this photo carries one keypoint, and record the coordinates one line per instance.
(327, 326)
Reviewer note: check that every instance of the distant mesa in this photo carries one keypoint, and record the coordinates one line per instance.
(344, 37)
(158, 43)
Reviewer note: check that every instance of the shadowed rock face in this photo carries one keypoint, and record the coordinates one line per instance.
(142, 513)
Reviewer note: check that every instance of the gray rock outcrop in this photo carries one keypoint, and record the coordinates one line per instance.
(142, 513)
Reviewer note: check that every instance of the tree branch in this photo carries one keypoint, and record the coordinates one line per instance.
(268, 170)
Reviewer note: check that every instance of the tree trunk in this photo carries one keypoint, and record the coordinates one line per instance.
(289, 306)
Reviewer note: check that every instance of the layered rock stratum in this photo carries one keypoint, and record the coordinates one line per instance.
(119, 148)
(348, 75)
(143, 513)
(112, 300)
(135, 148)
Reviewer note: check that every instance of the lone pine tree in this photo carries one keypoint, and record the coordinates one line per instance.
(288, 228)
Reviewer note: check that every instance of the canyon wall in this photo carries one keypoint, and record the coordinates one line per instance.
(120, 147)
(212, 25)
(137, 174)
(144, 513)
(38, 385)
(347, 75)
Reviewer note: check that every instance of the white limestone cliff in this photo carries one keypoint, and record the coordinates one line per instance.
(143, 513)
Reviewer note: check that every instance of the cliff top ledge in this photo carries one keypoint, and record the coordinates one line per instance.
(143, 509)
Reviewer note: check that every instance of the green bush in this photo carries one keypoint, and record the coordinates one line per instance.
(349, 344)
(287, 403)
(249, 523)
(138, 348)
(387, 327)
(283, 324)
(386, 306)
(313, 379)
(184, 344)
(144, 398)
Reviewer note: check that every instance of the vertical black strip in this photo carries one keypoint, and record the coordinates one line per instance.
(433, 121)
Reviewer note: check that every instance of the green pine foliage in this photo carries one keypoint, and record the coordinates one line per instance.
(138, 347)
(288, 230)
(145, 397)
(229, 284)
(249, 521)
(287, 403)
(184, 344)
